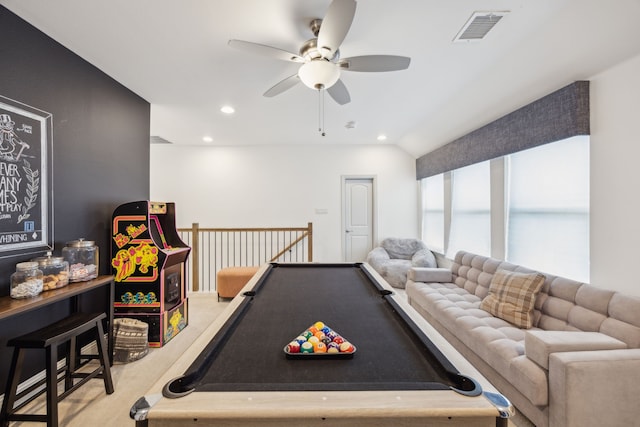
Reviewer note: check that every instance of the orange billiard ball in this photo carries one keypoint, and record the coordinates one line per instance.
(319, 347)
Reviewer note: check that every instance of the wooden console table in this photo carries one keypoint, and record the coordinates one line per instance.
(73, 291)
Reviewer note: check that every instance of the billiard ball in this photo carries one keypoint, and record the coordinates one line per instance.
(320, 335)
(307, 334)
(313, 330)
(326, 329)
(313, 339)
(318, 325)
(346, 347)
(333, 346)
(333, 350)
(300, 339)
(306, 347)
(326, 340)
(331, 334)
(293, 347)
(319, 347)
(338, 340)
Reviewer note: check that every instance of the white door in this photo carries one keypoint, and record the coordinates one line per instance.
(358, 218)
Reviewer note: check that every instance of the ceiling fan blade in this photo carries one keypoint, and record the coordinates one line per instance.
(335, 26)
(375, 63)
(261, 49)
(339, 93)
(282, 86)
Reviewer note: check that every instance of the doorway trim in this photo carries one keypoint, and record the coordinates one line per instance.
(344, 179)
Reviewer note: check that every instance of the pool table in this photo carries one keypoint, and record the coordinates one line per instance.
(240, 372)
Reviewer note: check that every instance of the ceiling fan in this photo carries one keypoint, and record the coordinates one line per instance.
(320, 56)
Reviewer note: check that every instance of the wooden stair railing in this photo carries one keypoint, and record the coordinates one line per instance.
(216, 248)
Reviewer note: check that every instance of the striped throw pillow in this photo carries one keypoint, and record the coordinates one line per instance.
(512, 296)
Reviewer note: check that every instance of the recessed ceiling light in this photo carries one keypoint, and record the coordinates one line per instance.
(228, 109)
(382, 137)
(207, 139)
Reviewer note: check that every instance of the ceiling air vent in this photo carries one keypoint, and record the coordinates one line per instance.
(478, 25)
(158, 140)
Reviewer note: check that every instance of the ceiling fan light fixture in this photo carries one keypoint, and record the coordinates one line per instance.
(319, 74)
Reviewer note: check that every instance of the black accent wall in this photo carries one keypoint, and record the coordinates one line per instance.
(100, 152)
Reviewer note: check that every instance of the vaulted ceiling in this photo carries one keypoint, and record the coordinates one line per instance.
(175, 54)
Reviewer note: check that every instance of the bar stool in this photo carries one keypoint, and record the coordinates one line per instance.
(49, 338)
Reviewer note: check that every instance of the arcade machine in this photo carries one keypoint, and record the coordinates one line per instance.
(148, 261)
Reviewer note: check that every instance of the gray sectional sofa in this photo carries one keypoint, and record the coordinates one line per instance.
(577, 365)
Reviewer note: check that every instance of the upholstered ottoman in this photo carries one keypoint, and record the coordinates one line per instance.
(230, 280)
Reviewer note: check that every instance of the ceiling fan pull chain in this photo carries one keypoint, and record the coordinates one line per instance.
(321, 112)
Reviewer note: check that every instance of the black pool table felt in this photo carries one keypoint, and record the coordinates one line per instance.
(294, 298)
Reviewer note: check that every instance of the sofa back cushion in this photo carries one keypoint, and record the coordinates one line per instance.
(562, 304)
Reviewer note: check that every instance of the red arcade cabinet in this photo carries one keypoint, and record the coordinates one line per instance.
(148, 261)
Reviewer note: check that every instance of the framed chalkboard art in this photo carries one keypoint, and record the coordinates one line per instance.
(26, 191)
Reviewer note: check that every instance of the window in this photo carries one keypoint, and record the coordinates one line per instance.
(433, 212)
(548, 208)
(470, 210)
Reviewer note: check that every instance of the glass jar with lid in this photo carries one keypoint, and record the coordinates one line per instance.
(26, 282)
(82, 256)
(55, 271)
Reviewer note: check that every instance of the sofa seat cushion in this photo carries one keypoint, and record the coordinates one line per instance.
(496, 341)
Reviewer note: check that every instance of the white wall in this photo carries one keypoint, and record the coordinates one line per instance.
(273, 186)
(283, 185)
(615, 177)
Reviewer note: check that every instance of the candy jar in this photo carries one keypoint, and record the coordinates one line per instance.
(82, 256)
(26, 282)
(55, 271)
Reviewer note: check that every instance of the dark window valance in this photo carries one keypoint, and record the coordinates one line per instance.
(559, 115)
